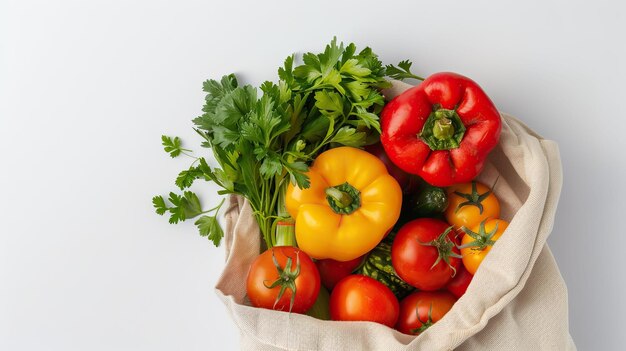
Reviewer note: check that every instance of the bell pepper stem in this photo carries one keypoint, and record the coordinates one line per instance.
(443, 128)
(341, 198)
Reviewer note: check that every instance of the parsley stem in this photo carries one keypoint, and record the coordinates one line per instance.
(216, 208)
(279, 184)
(321, 144)
(285, 234)
(188, 155)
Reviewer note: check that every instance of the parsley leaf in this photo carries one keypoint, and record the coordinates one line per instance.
(191, 204)
(316, 129)
(210, 228)
(353, 68)
(172, 146)
(234, 106)
(185, 206)
(358, 90)
(369, 119)
(225, 137)
(329, 103)
(159, 205)
(216, 92)
(311, 70)
(349, 136)
(286, 73)
(372, 98)
(186, 178)
(329, 58)
(402, 72)
(271, 166)
(297, 174)
(367, 58)
(264, 123)
(182, 206)
(219, 176)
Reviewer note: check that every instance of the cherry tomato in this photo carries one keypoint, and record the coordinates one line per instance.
(422, 309)
(283, 278)
(477, 242)
(458, 285)
(470, 204)
(332, 271)
(361, 298)
(424, 253)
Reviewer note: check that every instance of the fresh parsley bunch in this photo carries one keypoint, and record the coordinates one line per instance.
(263, 138)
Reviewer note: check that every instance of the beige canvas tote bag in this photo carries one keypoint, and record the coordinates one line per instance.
(516, 301)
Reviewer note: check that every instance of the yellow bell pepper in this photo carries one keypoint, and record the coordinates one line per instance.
(351, 204)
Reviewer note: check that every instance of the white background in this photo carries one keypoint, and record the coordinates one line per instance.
(87, 88)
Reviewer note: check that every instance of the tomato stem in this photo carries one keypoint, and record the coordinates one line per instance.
(475, 198)
(482, 239)
(286, 279)
(425, 324)
(444, 247)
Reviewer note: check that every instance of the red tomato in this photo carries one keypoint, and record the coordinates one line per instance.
(332, 271)
(424, 253)
(361, 298)
(458, 285)
(422, 309)
(281, 287)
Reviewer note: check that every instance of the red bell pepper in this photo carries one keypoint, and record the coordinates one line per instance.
(441, 130)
